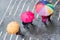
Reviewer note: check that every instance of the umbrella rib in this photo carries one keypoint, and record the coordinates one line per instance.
(41, 11)
(5, 12)
(17, 7)
(12, 8)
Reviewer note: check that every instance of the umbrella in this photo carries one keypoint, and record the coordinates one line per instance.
(13, 27)
(27, 17)
(44, 8)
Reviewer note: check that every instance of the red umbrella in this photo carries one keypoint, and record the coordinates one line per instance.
(27, 17)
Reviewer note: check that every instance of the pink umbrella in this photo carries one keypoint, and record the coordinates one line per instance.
(27, 17)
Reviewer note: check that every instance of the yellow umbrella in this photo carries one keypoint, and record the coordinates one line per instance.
(13, 27)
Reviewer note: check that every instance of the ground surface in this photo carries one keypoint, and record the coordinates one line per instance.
(41, 32)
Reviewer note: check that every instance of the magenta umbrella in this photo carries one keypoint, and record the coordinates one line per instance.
(27, 17)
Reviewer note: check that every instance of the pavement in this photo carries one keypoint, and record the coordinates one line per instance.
(11, 10)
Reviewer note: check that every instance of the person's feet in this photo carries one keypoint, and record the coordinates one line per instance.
(18, 33)
(22, 35)
(50, 21)
(26, 25)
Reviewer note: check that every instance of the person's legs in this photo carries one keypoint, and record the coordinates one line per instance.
(19, 33)
(44, 19)
(49, 18)
(25, 25)
(44, 23)
(31, 23)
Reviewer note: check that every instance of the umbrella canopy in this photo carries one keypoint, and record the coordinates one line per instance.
(27, 17)
(44, 8)
(13, 27)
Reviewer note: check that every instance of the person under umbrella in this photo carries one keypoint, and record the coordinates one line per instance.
(13, 28)
(27, 18)
(45, 10)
